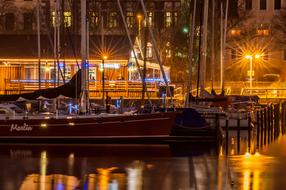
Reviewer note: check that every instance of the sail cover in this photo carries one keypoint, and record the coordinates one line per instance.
(72, 89)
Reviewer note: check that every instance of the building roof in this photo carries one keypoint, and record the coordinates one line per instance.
(25, 46)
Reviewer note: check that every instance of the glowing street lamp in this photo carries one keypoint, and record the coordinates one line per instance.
(139, 17)
(250, 57)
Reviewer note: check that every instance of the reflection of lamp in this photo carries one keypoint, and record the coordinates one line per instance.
(250, 57)
(104, 57)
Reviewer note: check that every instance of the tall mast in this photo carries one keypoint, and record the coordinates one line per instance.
(221, 49)
(39, 41)
(84, 67)
(102, 57)
(56, 23)
(212, 45)
(191, 47)
(204, 45)
(223, 46)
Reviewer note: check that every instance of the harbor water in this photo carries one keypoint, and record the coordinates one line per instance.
(170, 166)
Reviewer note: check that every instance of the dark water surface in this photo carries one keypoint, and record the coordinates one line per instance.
(176, 166)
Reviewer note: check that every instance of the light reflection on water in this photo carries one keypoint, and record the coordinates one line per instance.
(144, 167)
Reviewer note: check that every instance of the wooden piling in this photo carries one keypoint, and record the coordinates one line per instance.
(238, 133)
(261, 126)
(226, 131)
(249, 130)
(257, 127)
(265, 124)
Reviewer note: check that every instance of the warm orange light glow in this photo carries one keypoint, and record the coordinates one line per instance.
(257, 56)
(139, 16)
(104, 57)
(248, 56)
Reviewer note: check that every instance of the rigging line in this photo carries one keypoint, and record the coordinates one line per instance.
(157, 52)
(132, 46)
(71, 42)
(199, 49)
(48, 34)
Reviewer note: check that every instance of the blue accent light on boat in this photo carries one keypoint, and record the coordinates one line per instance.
(85, 64)
(118, 102)
(60, 186)
(70, 108)
(61, 65)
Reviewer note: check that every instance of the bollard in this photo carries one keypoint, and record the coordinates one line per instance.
(249, 130)
(261, 127)
(238, 133)
(272, 122)
(121, 105)
(226, 136)
(257, 128)
(269, 122)
(265, 124)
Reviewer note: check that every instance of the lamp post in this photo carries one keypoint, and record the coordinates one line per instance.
(139, 17)
(104, 57)
(250, 57)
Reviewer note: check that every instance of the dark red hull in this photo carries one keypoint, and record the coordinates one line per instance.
(145, 125)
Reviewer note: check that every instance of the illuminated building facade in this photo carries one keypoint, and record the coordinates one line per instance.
(60, 41)
(256, 34)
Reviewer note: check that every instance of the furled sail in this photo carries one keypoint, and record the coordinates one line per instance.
(72, 89)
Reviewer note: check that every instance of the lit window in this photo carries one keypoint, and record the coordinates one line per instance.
(168, 19)
(67, 19)
(175, 18)
(235, 32)
(149, 50)
(112, 20)
(130, 19)
(150, 19)
(263, 32)
(93, 20)
(55, 19)
(168, 50)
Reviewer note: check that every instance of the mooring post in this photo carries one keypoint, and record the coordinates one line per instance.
(269, 122)
(238, 132)
(257, 128)
(226, 136)
(261, 125)
(265, 124)
(249, 130)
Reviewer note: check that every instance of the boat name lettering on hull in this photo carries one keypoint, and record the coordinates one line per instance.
(24, 127)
